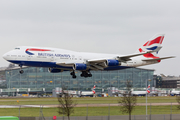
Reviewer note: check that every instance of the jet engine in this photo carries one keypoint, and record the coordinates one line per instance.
(79, 66)
(52, 70)
(113, 63)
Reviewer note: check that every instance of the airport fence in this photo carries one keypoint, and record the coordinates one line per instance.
(122, 117)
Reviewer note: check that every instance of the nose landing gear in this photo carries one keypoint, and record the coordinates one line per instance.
(21, 71)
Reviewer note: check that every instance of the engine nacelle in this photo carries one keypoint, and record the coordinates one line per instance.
(113, 63)
(52, 70)
(79, 66)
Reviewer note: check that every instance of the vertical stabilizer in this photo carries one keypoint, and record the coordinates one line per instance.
(93, 90)
(154, 44)
(148, 89)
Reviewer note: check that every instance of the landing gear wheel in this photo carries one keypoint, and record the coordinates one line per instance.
(82, 75)
(73, 74)
(21, 71)
(89, 75)
(86, 74)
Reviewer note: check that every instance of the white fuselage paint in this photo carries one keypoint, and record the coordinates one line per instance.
(19, 56)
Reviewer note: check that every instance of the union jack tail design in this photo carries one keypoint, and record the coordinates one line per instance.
(154, 44)
(93, 90)
(148, 89)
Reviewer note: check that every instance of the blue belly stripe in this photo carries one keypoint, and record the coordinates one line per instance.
(54, 65)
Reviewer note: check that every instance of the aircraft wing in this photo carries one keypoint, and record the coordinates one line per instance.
(99, 64)
(96, 60)
(158, 58)
(123, 58)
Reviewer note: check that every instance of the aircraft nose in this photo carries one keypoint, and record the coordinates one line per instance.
(5, 56)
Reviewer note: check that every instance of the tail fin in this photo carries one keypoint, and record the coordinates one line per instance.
(154, 44)
(148, 89)
(93, 90)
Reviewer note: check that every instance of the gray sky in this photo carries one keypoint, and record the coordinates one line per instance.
(101, 26)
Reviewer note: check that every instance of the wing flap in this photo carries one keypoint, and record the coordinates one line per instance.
(98, 67)
(120, 58)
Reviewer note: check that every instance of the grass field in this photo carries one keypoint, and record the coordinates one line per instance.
(88, 100)
(92, 111)
(82, 111)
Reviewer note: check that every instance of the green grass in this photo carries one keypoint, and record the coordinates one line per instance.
(82, 111)
(89, 100)
(92, 111)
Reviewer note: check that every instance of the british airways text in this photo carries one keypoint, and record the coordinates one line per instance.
(53, 55)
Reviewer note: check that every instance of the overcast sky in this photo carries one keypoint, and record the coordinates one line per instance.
(103, 26)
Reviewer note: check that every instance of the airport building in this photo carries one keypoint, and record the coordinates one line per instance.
(35, 78)
(167, 81)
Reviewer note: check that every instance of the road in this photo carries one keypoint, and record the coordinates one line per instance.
(83, 105)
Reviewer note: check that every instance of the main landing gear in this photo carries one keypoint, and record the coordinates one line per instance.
(21, 71)
(86, 74)
(73, 74)
(83, 74)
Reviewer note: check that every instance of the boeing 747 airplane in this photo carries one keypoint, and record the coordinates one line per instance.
(59, 60)
(141, 93)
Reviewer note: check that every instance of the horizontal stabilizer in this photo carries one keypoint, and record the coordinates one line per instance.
(158, 58)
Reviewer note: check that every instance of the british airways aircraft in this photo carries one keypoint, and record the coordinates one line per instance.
(59, 60)
(141, 93)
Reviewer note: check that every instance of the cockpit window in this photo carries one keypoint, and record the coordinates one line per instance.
(17, 48)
